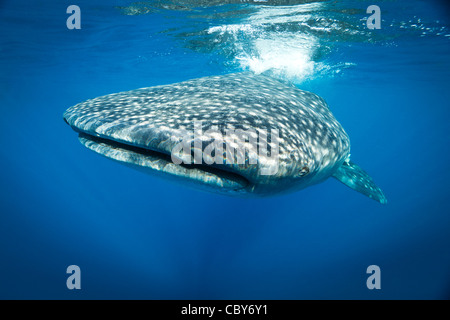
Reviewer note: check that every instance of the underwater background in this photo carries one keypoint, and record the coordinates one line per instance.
(136, 236)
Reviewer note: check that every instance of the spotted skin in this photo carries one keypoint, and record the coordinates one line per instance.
(124, 126)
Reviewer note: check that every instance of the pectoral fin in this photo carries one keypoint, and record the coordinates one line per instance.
(356, 178)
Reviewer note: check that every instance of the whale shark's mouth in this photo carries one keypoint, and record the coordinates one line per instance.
(161, 162)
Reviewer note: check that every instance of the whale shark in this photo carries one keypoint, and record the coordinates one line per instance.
(237, 134)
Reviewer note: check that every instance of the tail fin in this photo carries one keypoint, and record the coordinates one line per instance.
(356, 178)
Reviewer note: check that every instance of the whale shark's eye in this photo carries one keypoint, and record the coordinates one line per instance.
(303, 172)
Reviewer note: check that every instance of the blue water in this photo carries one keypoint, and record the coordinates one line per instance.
(136, 236)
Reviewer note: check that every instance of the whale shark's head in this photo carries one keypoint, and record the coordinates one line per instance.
(236, 134)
